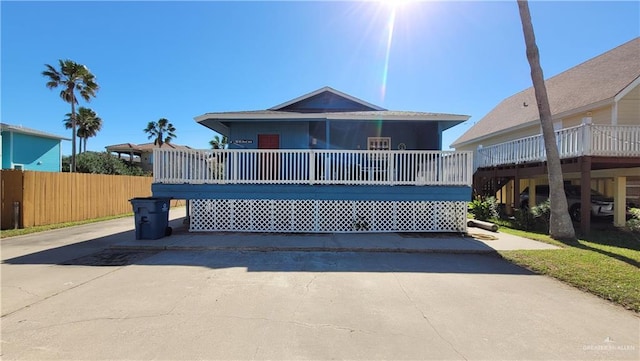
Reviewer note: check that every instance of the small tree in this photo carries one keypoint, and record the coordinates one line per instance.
(88, 125)
(161, 132)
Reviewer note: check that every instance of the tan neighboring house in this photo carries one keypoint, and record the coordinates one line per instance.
(596, 114)
(141, 153)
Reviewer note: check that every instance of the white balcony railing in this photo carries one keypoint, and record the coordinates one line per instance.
(351, 167)
(582, 140)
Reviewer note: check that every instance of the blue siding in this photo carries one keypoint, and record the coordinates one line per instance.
(293, 135)
(354, 134)
(34, 153)
(6, 150)
(316, 192)
(344, 134)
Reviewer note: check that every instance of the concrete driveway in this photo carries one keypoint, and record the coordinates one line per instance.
(94, 302)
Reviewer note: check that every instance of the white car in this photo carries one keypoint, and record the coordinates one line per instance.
(601, 206)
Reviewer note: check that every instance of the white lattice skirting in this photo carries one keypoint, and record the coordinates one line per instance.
(326, 216)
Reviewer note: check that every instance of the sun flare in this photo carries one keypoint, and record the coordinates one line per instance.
(394, 4)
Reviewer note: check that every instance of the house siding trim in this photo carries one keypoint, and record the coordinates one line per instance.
(315, 192)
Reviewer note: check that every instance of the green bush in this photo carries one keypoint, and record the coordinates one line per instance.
(634, 223)
(535, 219)
(484, 208)
(523, 220)
(102, 163)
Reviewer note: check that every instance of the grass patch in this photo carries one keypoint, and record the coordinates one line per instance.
(606, 263)
(22, 231)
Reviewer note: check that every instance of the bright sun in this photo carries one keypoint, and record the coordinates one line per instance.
(394, 4)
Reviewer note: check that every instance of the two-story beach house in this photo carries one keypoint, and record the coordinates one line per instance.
(596, 114)
(323, 162)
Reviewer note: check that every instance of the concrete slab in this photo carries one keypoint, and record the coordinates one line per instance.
(93, 292)
(316, 305)
(476, 240)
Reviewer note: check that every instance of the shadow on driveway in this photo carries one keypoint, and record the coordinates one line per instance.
(97, 253)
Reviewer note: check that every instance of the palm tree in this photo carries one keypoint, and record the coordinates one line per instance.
(560, 226)
(219, 143)
(161, 131)
(72, 77)
(88, 124)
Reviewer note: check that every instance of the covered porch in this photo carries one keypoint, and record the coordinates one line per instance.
(280, 190)
(602, 156)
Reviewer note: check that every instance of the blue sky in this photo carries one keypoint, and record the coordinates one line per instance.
(178, 60)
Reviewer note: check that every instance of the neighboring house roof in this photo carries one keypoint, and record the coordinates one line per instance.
(139, 148)
(23, 130)
(596, 82)
(324, 104)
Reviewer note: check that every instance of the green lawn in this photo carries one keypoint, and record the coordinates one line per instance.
(606, 263)
(23, 231)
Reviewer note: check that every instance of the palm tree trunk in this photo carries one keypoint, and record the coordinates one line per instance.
(85, 143)
(72, 168)
(560, 226)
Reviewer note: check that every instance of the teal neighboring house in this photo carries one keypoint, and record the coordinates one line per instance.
(30, 149)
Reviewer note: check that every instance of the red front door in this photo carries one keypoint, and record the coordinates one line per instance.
(269, 163)
(268, 141)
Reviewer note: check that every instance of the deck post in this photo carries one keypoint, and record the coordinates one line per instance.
(585, 195)
(516, 189)
(234, 161)
(532, 193)
(312, 166)
(586, 136)
(619, 201)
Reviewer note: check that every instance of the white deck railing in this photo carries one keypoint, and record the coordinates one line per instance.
(352, 167)
(582, 140)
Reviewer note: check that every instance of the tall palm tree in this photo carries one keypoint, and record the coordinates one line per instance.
(88, 125)
(161, 132)
(71, 77)
(219, 143)
(560, 226)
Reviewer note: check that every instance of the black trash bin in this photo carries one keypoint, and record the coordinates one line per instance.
(151, 217)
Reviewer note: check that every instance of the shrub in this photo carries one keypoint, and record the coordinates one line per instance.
(102, 163)
(634, 223)
(535, 219)
(484, 208)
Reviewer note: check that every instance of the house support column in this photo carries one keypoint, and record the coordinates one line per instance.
(619, 201)
(532, 193)
(516, 190)
(585, 195)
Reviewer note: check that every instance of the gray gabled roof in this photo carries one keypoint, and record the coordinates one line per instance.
(596, 81)
(284, 112)
(24, 130)
(372, 115)
(327, 91)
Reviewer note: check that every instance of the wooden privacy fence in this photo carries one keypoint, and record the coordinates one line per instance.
(49, 198)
